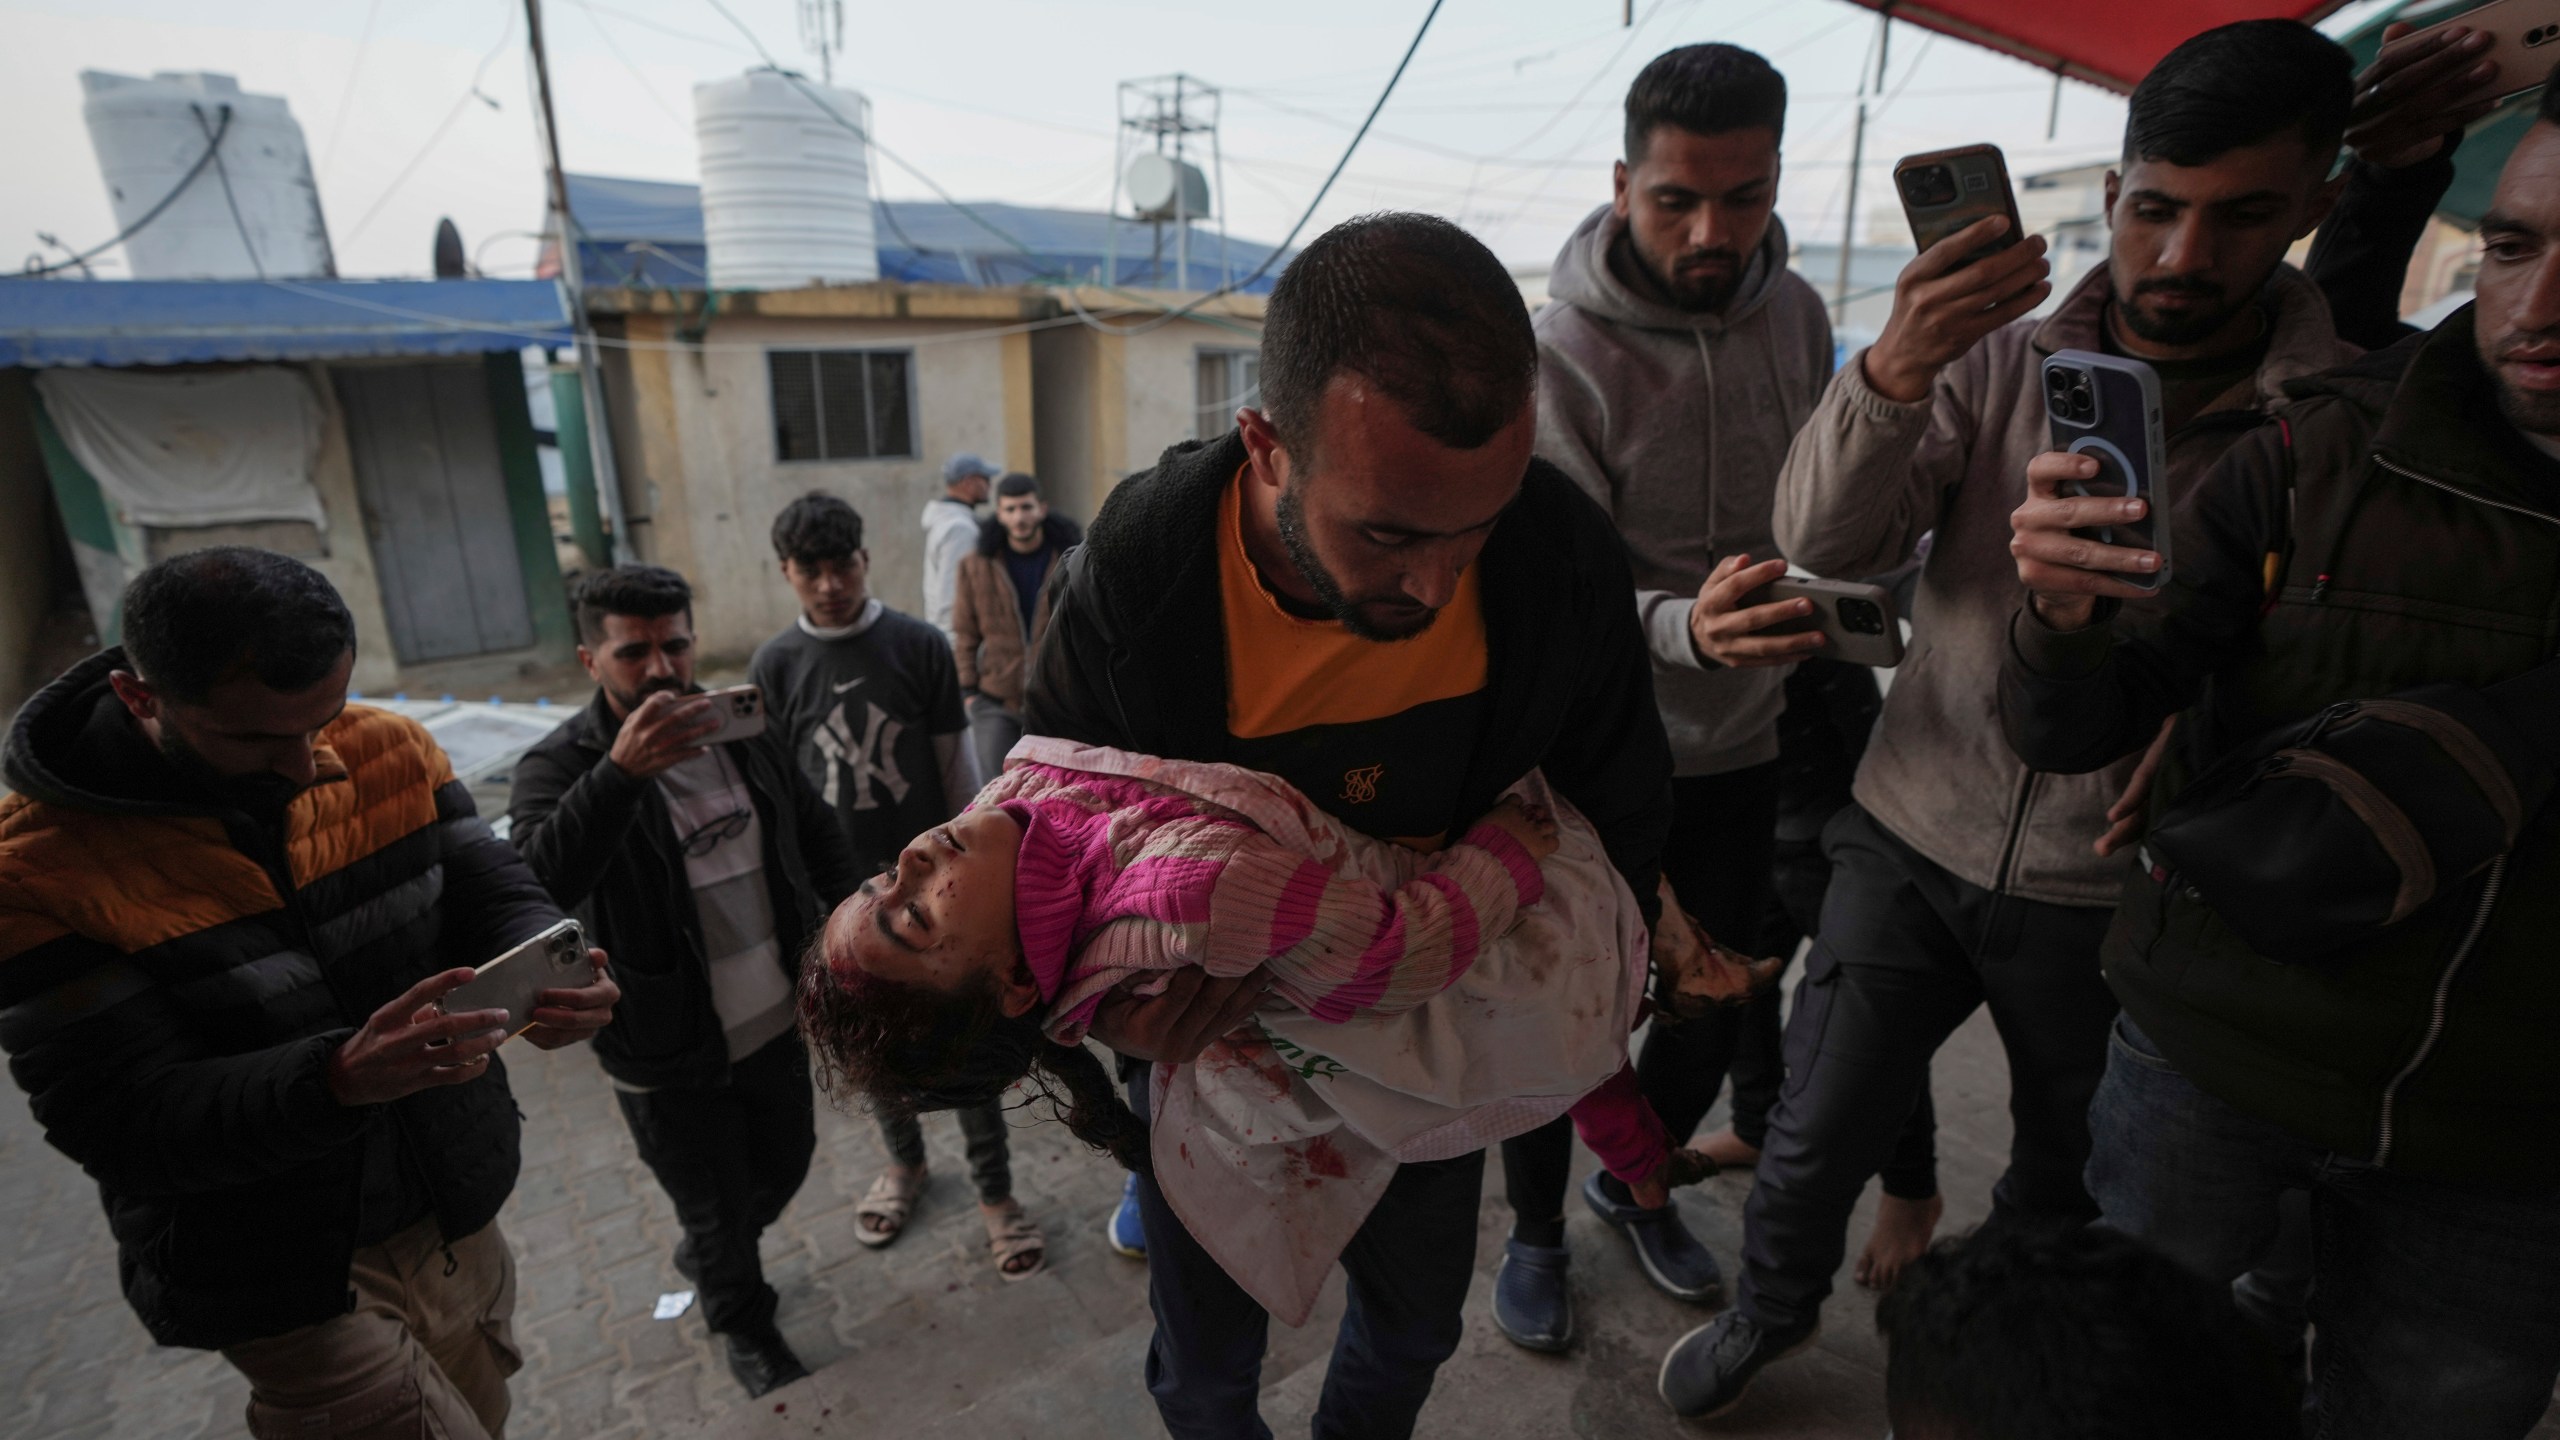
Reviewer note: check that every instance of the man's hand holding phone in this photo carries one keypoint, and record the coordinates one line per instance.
(565, 1017)
(1724, 630)
(2066, 573)
(2420, 89)
(409, 1045)
(1943, 305)
(660, 732)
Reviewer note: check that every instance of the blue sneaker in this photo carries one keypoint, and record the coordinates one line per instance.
(1123, 1232)
(1671, 1258)
(1531, 1304)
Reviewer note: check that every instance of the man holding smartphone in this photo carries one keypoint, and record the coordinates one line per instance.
(1678, 357)
(707, 867)
(2398, 533)
(230, 904)
(1962, 877)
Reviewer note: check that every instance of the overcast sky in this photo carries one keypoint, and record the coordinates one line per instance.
(1507, 120)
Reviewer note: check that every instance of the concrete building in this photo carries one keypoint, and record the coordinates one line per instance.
(377, 430)
(725, 404)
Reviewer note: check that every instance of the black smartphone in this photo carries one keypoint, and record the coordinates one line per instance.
(2108, 409)
(1944, 191)
(1859, 623)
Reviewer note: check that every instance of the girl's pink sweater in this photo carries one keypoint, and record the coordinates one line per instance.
(1117, 878)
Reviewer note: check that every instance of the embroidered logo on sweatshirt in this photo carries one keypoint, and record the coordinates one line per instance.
(1360, 786)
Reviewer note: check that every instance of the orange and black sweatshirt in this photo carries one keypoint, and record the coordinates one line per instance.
(174, 975)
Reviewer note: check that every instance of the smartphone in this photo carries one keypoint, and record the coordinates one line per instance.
(740, 709)
(556, 959)
(2524, 38)
(2109, 409)
(1858, 622)
(1946, 190)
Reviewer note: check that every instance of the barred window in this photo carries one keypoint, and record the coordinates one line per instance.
(1227, 380)
(843, 404)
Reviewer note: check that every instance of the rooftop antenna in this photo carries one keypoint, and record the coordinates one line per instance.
(1164, 120)
(822, 34)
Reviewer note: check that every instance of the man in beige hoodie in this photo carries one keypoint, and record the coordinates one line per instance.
(1961, 878)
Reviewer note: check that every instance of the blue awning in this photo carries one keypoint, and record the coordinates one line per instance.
(178, 322)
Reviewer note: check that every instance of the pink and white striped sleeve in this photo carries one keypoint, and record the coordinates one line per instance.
(1338, 946)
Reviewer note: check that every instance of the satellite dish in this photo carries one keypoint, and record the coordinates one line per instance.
(1162, 188)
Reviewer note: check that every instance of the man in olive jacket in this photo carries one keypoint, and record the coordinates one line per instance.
(2404, 529)
(710, 868)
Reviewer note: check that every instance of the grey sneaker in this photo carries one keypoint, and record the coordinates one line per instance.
(1708, 1369)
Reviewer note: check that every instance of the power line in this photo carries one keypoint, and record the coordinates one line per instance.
(460, 101)
(637, 78)
(347, 98)
(84, 257)
(222, 173)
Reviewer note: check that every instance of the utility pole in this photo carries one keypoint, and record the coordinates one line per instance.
(1857, 159)
(572, 276)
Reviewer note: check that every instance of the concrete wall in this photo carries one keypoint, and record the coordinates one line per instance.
(349, 560)
(693, 426)
(27, 581)
(1110, 404)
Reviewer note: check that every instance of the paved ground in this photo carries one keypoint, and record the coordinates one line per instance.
(922, 1339)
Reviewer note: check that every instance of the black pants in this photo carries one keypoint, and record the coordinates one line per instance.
(982, 1130)
(730, 1157)
(1408, 1268)
(1906, 952)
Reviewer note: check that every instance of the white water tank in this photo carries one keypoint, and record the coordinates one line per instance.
(148, 137)
(786, 187)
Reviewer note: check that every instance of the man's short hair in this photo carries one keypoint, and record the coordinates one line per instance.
(1415, 306)
(2022, 1331)
(643, 592)
(2241, 84)
(1705, 90)
(1016, 483)
(193, 621)
(817, 528)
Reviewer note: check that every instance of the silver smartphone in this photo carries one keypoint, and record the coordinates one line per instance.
(740, 709)
(556, 959)
(2108, 408)
(1858, 621)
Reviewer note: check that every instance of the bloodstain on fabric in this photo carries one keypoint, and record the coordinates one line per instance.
(1326, 1161)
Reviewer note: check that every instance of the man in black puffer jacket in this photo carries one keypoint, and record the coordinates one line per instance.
(706, 870)
(2403, 531)
(229, 903)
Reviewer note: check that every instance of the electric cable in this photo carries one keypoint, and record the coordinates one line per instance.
(33, 271)
(442, 126)
(222, 173)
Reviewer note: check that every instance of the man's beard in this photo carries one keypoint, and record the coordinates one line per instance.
(2536, 413)
(264, 793)
(2192, 328)
(1692, 288)
(628, 701)
(1352, 614)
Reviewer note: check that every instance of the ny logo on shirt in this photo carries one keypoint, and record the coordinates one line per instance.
(872, 758)
(1360, 786)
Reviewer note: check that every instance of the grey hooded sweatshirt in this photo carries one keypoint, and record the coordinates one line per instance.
(1678, 423)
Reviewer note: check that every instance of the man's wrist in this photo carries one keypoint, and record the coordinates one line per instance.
(1894, 379)
(2061, 613)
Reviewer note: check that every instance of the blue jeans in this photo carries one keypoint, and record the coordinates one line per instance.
(1408, 1266)
(2435, 1307)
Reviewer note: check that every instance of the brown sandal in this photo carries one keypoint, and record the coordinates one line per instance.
(1011, 1235)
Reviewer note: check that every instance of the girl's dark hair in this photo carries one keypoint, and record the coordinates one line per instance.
(912, 1049)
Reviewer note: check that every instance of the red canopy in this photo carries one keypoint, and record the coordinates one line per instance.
(2109, 44)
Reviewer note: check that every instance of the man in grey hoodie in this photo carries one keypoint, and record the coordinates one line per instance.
(1676, 362)
(1961, 877)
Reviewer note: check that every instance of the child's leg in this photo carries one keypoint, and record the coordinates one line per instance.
(1622, 1129)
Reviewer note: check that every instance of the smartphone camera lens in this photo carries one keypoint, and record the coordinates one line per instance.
(1927, 186)
(1861, 617)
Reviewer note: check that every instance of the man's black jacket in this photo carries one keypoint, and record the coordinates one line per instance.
(1135, 655)
(604, 845)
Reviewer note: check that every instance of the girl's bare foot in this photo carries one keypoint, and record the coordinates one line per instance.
(1727, 1150)
(1903, 1231)
(885, 1207)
